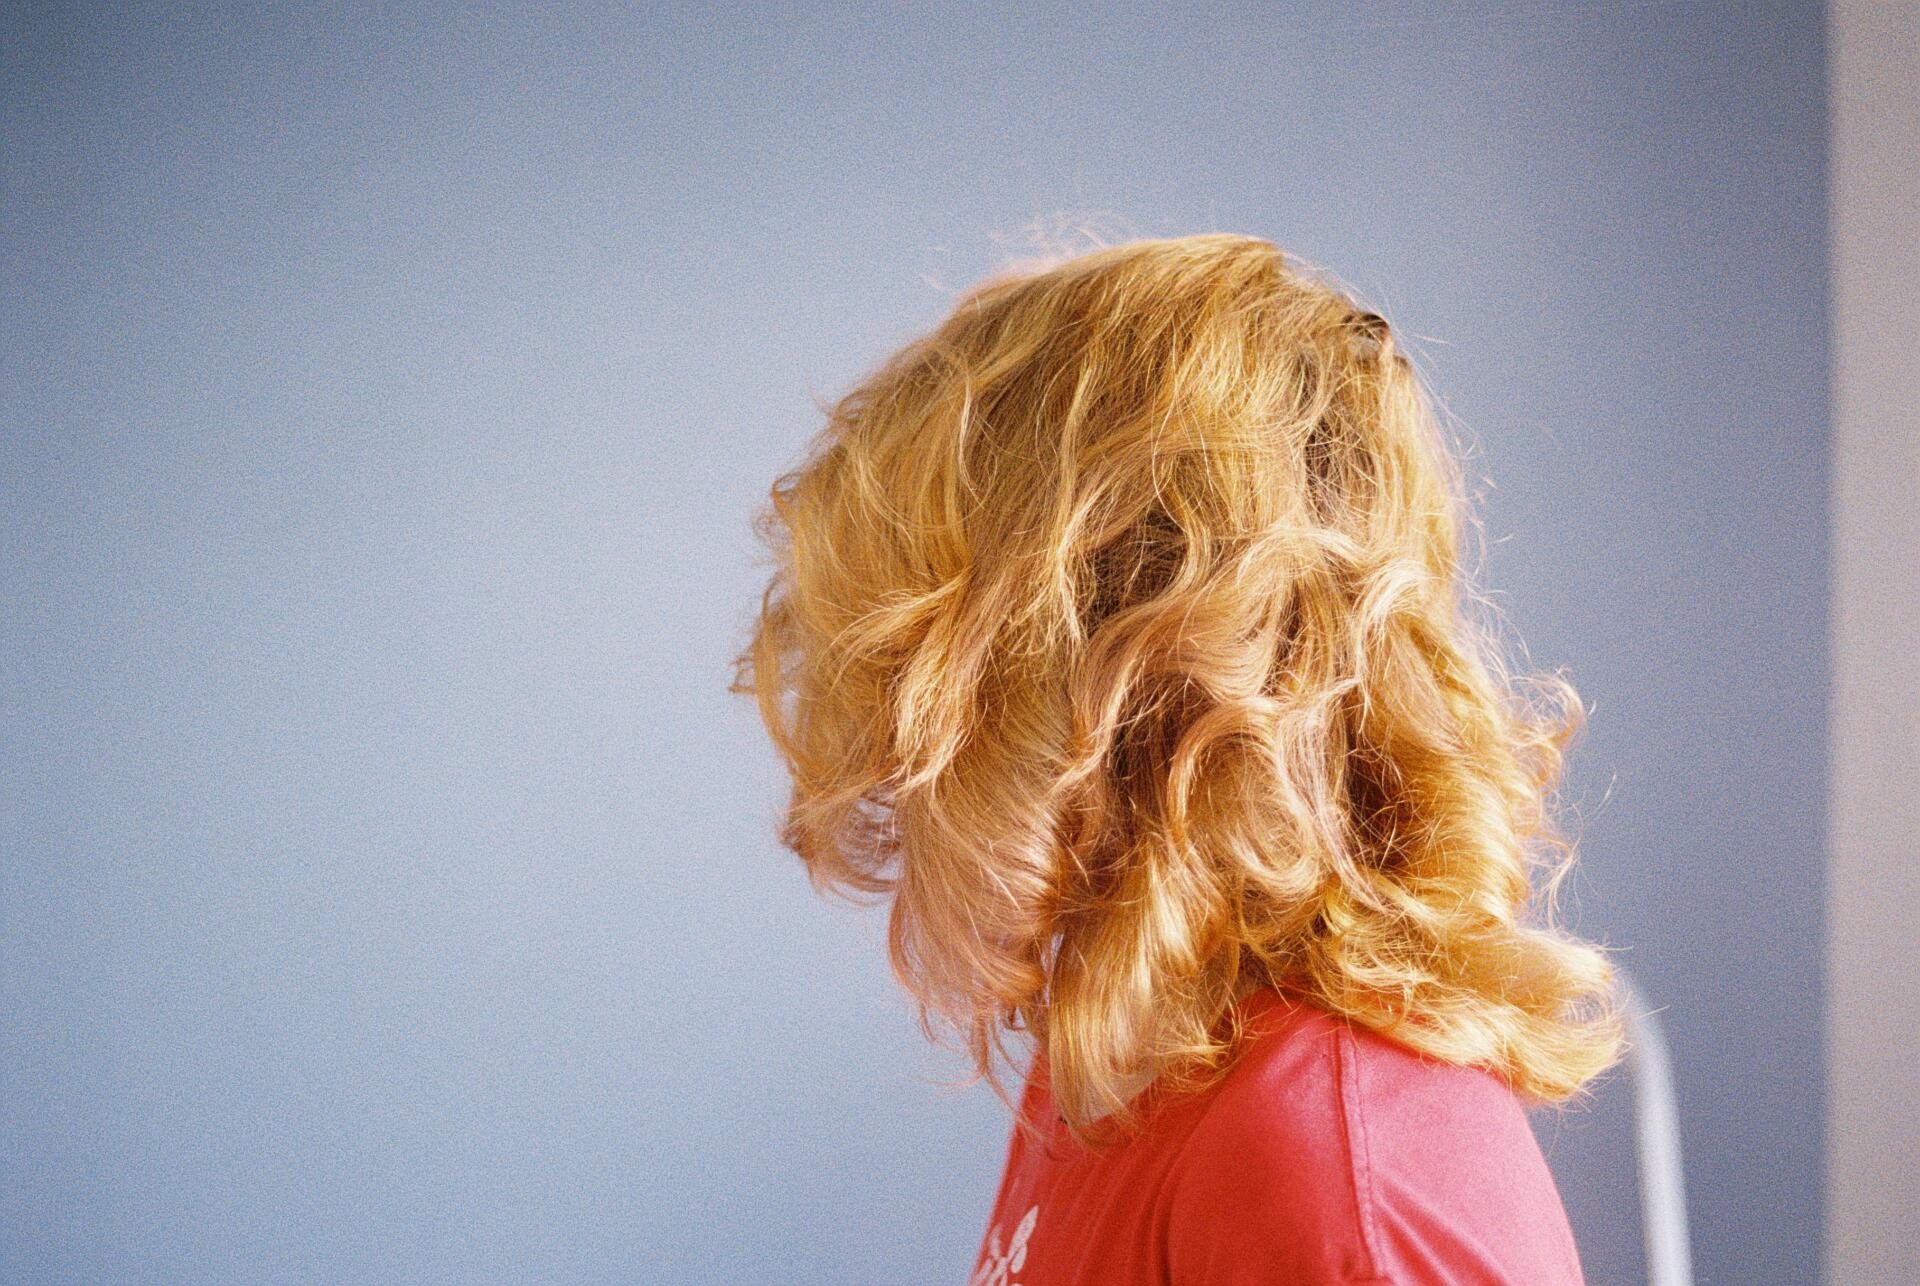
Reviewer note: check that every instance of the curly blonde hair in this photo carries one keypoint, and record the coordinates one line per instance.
(1118, 632)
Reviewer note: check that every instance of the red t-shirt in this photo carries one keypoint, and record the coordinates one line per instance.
(1328, 1153)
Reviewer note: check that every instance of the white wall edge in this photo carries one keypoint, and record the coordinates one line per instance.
(1873, 901)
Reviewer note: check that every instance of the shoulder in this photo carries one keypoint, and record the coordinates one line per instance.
(1333, 1153)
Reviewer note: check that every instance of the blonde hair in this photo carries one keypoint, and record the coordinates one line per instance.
(1118, 632)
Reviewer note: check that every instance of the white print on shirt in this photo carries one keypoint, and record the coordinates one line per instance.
(999, 1265)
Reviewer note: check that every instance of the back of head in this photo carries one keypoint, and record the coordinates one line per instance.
(1118, 632)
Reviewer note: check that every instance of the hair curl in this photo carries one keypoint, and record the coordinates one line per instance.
(1118, 632)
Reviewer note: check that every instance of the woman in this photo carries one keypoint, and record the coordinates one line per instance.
(1119, 634)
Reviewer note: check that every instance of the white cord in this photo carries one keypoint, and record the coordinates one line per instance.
(1663, 1189)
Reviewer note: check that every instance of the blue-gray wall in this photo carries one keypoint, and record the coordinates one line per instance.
(387, 888)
